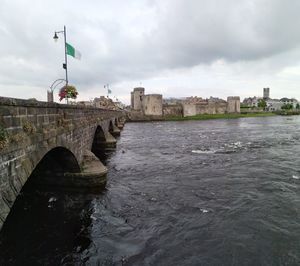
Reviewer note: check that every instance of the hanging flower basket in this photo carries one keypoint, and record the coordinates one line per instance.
(67, 92)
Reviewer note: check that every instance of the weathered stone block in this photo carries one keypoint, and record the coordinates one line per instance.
(46, 120)
(40, 119)
(32, 111)
(5, 111)
(16, 121)
(22, 111)
(7, 121)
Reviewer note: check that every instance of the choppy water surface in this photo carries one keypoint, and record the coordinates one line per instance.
(220, 192)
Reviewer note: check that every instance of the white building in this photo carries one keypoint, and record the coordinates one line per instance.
(273, 105)
(292, 101)
(252, 101)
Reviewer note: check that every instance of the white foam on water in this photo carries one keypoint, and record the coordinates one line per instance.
(202, 152)
(296, 177)
(52, 199)
(204, 210)
(237, 144)
(93, 217)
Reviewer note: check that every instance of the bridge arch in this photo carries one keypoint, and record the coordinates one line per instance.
(48, 170)
(53, 165)
(99, 141)
(113, 128)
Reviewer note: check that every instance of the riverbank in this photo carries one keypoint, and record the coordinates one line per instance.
(288, 112)
(216, 116)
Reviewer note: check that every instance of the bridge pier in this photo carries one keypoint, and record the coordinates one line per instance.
(110, 141)
(121, 123)
(92, 175)
(120, 126)
(116, 131)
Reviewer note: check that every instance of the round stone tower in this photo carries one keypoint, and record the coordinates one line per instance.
(152, 104)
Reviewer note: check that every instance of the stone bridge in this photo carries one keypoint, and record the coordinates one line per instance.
(53, 144)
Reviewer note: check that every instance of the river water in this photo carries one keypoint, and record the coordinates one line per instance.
(219, 192)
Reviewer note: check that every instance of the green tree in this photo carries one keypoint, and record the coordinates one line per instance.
(287, 106)
(298, 106)
(262, 103)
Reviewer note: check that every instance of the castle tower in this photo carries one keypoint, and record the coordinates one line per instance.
(137, 97)
(152, 104)
(233, 104)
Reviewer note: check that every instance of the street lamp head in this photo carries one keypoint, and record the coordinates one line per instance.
(55, 37)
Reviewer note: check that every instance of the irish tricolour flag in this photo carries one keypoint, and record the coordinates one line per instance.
(73, 52)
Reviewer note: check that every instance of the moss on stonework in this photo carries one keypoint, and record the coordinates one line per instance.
(28, 127)
(19, 137)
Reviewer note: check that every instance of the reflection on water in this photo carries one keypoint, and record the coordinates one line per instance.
(221, 192)
(46, 228)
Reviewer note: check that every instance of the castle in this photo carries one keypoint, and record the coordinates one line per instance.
(151, 105)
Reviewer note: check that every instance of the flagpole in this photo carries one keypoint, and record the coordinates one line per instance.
(66, 62)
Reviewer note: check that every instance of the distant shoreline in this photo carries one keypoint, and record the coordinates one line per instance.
(212, 116)
(201, 117)
(216, 116)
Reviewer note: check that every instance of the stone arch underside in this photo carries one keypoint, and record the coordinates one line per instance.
(52, 167)
(111, 127)
(99, 141)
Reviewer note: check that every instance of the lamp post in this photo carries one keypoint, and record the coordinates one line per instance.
(55, 37)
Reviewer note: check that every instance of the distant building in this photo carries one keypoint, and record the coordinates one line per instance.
(251, 101)
(273, 105)
(105, 103)
(173, 101)
(266, 93)
(292, 101)
(85, 103)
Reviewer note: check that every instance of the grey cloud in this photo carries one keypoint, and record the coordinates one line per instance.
(131, 40)
(195, 32)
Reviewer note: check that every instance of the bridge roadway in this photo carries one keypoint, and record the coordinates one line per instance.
(53, 144)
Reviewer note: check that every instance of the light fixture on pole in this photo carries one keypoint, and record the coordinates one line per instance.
(55, 37)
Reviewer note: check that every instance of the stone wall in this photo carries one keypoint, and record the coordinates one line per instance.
(189, 109)
(221, 108)
(172, 110)
(212, 107)
(204, 108)
(30, 129)
(152, 104)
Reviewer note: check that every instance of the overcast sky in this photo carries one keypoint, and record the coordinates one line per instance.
(174, 47)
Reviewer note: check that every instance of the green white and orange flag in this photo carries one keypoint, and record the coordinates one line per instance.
(73, 52)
